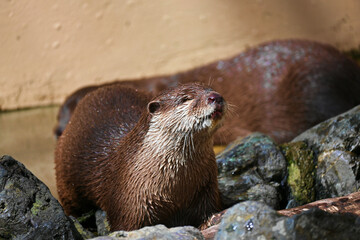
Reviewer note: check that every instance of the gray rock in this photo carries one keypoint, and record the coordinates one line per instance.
(255, 220)
(264, 193)
(103, 225)
(251, 168)
(27, 208)
(335, 176)
(336, 143)
(340, 132)
(157, 232)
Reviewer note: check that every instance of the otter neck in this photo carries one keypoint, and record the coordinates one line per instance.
(176, 147)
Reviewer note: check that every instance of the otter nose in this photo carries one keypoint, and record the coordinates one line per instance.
(215, 98)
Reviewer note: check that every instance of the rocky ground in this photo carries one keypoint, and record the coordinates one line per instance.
(258, 179)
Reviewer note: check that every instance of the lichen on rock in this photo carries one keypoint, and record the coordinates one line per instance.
(301, 172)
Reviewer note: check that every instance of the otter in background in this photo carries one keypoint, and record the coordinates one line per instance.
(279, 88)
(143, 163)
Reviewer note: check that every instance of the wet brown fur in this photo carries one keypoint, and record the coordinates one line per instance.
(280, 88)
(98, 164)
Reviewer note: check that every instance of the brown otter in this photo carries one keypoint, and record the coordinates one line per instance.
(280, 88)
(142, 164)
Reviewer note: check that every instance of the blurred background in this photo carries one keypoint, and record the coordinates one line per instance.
(51, 48)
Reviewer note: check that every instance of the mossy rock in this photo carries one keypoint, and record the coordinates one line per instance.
(301, 171)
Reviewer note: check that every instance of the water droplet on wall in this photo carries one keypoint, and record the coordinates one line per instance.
(99, 15)
(109, 41)
(57, 26)
(202, 17)
(55, 44)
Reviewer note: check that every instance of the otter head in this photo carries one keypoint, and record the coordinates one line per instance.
(182, 121)
(187, 109)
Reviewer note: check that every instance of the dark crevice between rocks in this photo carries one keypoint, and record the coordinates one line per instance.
(88, 221)
(284, 192)
(92, 224)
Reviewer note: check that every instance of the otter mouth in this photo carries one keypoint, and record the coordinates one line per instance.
(217, 114)
(218, 102)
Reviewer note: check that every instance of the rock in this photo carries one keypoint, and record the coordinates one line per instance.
(27, 208)
(210, 232)
(103, 226)
(251, 168)
(255, 220)
(346, 204)
(157, 232)
(336, 144)
(335, 176)
(339, 132)
(301, 173)
(265, 193)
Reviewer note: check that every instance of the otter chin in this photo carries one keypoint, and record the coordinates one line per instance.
(144, 162)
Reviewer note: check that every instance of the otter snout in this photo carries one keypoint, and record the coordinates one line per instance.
(218, 101)
(216, 98)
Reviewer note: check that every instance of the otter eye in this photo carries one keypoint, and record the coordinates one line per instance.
(153, 107)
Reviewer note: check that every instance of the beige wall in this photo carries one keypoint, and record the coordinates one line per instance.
(50, 48)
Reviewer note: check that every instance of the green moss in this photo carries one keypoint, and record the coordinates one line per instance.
(36, 207)
(301, 171)
(107, 225)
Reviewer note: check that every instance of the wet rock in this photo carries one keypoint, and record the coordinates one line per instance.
(251, 168)
(27, 208)
(157, 232)
(336, 143)
(301, 173)
(255, 220)
(103, 226)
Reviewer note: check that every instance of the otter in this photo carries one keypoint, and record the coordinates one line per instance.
(280, 88)
(143, 162)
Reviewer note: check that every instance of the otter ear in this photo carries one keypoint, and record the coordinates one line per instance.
(153, 106)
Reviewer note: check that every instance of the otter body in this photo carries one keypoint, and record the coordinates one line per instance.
(280, 88)
(143, 163)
